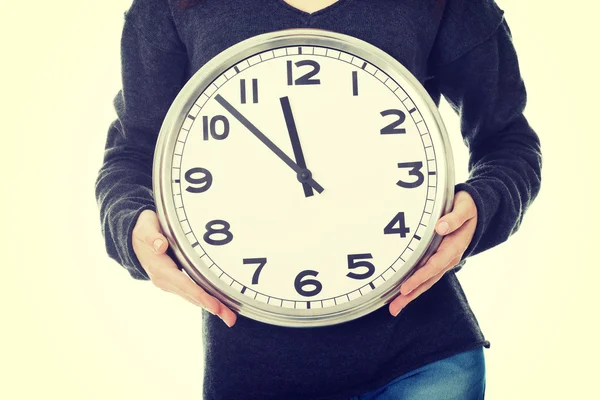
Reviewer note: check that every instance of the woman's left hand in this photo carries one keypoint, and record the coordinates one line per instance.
(457, 227)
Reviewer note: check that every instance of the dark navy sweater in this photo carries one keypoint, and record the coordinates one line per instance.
(459, 49)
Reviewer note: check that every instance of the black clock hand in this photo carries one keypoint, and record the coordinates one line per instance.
(293, 132)
(303, 174)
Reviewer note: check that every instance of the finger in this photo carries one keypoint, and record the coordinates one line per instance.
(189, 288)
(436, 264)
(463, 209)
(169, 287)
(226, 314)
(164, 272)
(447, 256)
(166, 276)
(402, 301)
(201, 300)
(148, 230)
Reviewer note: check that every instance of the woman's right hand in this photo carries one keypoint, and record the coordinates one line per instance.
(150, 246)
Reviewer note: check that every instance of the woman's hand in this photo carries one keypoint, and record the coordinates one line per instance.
(458, 227)
(150, 247)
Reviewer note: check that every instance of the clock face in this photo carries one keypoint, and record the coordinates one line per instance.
(303, 180)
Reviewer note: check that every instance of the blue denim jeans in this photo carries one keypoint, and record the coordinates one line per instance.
(459, 377)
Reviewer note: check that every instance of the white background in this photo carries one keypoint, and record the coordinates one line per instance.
(76, 326)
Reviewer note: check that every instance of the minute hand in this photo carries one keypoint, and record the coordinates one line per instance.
(303, 174)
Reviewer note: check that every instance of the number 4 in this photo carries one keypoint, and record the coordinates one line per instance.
(402, 229)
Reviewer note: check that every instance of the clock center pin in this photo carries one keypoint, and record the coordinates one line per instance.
(304, 175)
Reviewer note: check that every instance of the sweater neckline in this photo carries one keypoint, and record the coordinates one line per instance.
(318, 12)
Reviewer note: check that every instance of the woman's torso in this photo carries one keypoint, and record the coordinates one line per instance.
(256, 360)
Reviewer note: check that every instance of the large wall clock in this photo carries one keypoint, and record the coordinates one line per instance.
(298, 176)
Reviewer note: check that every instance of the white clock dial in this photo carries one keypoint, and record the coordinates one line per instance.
(305, 178)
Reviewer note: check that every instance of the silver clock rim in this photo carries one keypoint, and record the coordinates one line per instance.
(162, 187)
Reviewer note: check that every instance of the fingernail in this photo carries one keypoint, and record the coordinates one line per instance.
(157, 244)
(397, 312)
(443, 227)
(226, 323)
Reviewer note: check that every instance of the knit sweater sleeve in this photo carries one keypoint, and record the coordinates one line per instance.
(153, 65)
(483, 84)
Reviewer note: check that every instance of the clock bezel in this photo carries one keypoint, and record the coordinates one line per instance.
(163, 192)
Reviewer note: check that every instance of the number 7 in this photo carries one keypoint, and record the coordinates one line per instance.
(261, 261)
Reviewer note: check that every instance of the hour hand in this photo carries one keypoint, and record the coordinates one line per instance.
(295, 139)
(303, 174)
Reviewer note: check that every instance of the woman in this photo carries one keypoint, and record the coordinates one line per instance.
(427, 343)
